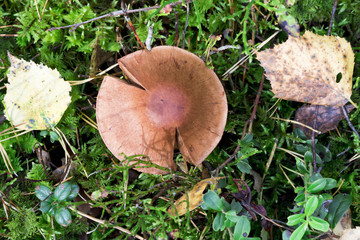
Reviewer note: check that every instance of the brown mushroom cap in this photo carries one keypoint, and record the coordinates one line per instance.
(176, 99)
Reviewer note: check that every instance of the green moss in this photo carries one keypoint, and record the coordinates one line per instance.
(23, 224)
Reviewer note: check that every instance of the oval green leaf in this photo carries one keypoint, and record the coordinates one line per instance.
(63, 217)
(319, 224)
(62, 191)
(311, 205)
(212, 201)
(299, 232)
(242, 228)
(42, 192)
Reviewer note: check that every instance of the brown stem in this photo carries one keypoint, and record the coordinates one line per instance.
(115, 14)
(348, 120)
(332, 17)
(186, 23)
(313, 139)
(256, 103)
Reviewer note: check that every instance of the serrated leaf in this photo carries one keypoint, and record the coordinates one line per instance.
(305, 69)
(337, 208)
(42, 192)
(63, 217)
(242, 228)
(318, 224)
(36, 95)
(62, 191)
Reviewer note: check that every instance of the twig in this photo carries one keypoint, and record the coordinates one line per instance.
(332, 17)
(348, 120)
(37, 10)
(176, 43)
(256, 103)
(103, 222)
(313, 139)
(9, 35)
(42, 13)
(149, 37)
(127, 18)
(227, 161)
(115, 14)
(186, 23)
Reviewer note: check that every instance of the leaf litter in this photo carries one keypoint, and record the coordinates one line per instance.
(37, 96)
(327, 118)
(305, 69)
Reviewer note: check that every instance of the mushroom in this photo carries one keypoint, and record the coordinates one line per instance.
(173, 100)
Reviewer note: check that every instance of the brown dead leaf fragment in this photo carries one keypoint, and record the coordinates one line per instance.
(193, 198)
(305, 69)
(327, 117)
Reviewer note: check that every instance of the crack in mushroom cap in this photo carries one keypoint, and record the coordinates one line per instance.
(176, 100)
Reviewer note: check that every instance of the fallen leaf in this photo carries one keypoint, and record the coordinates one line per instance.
(287, 22)
(351, 234)
(343, 224)
(36, 96)
(193, 197)
(327, 118)
(305, 69)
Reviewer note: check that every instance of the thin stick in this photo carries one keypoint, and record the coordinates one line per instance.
(103, 222)
(245, 58)
(228, 160)
(9, 35)
(7, 26)
(115, 14)
(298, 123)
(5, 158)
(332, 17)
(24, 132)
(149, 37)
(253, 114)
(313, 139)
(42, 13)
(186, 23)
(348, 120)
(37, 9)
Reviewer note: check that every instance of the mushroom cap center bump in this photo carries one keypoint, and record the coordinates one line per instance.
(167, 106)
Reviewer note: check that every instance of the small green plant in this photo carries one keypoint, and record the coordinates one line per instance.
(55, 203)
(228, 216)
(312, 201)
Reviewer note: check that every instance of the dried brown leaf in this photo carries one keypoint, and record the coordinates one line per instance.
(327, 117)
(305, 69)
(193, 198)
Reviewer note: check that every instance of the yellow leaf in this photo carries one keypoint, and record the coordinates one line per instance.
(305, 69)
(36, 96)
(193, 198)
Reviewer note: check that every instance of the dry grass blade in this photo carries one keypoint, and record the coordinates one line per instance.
(298, 123)
(6, 159)
(245, 58)
(103, 222)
